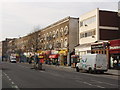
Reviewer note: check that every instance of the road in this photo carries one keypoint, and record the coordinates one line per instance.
(20, 75)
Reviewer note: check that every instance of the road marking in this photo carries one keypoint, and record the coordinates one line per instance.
(87, 83)
(99, 86)
(9, 79)
(16, 86)
(90, 84)
(12, 82)
(104, 83)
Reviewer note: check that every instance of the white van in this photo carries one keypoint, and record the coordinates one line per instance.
(93, 63)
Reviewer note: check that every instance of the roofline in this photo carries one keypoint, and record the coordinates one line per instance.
(59, 21)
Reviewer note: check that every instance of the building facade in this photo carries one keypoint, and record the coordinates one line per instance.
(59, 38)
(55, 41)
(114, 51)
(97, 26)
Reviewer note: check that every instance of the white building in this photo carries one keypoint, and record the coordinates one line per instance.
(96, 26)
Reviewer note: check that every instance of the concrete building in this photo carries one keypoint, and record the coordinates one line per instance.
(60, 37)
(96, 26)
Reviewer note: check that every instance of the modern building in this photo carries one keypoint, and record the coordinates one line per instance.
(96, 26)
(1, 50)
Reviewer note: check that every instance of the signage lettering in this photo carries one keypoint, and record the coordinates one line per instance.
(114, 47)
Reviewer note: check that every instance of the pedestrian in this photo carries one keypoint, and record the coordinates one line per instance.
(30, 59)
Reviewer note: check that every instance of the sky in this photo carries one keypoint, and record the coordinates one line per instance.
(20, 17)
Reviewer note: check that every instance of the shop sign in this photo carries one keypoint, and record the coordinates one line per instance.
(100, 46)
(54, 52)
(53, 56)
(40, 56)
(114, 47)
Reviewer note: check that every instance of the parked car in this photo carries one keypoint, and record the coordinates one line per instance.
(93, 63)
(13, 60)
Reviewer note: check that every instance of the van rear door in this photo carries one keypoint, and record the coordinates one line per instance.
(101, 62)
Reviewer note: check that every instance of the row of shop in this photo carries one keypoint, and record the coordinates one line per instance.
(54, 57)
(111, 49)
(60, 57)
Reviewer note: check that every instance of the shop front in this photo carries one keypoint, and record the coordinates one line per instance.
(46, 56)
(41, 57)
(63, 57)
(74, 60)
(53, 59)
(114, 50)
(101, 48)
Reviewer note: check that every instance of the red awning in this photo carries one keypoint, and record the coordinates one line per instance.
(53, 56)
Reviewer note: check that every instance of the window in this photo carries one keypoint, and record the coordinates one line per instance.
(87, 34)
(88, 21)
(66, 30)
(81, 24)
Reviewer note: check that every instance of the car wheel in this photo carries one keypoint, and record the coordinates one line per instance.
(77, 69)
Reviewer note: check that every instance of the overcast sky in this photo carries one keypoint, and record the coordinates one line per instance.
(19, 17)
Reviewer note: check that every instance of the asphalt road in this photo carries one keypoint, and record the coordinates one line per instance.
(19, 75)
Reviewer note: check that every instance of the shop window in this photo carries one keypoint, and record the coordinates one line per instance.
(105, 51)
(96, 52)
(102, 52)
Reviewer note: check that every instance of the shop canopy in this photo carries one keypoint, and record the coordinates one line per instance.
(83, 47)
(54, 56)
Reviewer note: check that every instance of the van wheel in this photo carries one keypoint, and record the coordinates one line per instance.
(77, 69)
(102, 72)
(90, 70)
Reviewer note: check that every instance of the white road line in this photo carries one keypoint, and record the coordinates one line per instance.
(99, 86)
(9, 79)
(16, 86)
(7, 76)
(104, 83)
(12, 82)
(90, 84)
(87, 83)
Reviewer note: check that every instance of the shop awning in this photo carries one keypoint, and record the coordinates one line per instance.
(54, 56)
(63, 52)
(83, 47)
